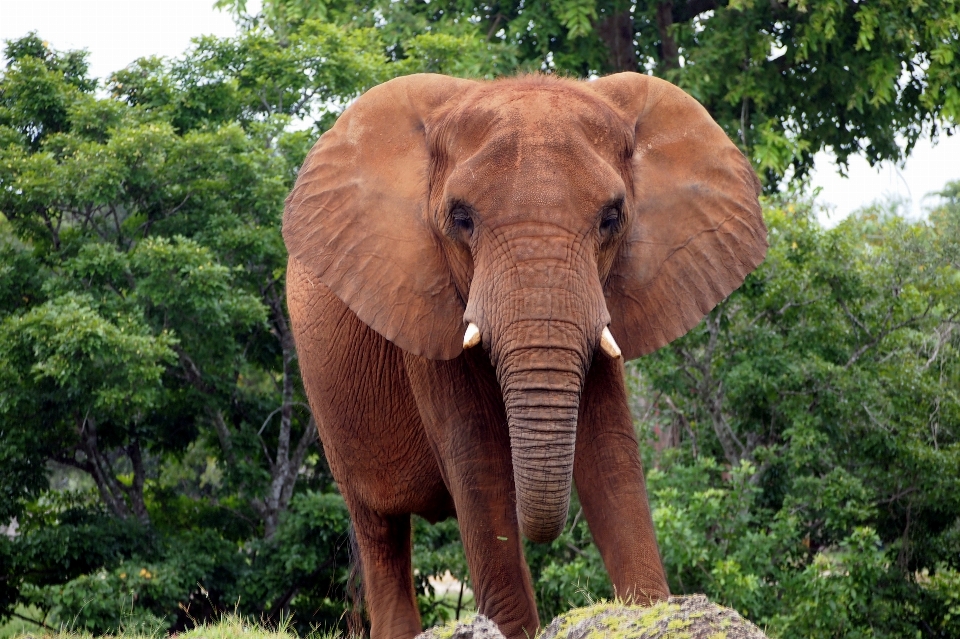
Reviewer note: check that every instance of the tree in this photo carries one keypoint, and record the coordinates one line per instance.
(812, 432)
(784, 79)
(146, 351)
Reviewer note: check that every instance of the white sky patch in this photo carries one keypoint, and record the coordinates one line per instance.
(927, 170)
(776, 50)
(115, 32)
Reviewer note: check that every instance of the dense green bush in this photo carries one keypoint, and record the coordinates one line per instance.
(157, 455)
(803, 443)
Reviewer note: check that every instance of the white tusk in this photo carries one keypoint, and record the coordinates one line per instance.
(471, 337)
(607, 344)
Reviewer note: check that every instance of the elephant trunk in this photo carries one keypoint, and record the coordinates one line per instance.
(541, 386)
(540, 321)
(542, 439)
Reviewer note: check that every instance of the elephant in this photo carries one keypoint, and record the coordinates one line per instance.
(470, 265)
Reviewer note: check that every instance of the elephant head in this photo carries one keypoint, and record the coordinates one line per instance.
(540, 215)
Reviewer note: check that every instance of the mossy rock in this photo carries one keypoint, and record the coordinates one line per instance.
(691, 617)
(478, 627)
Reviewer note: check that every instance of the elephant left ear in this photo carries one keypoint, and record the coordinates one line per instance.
(695, 229)
(357, 217)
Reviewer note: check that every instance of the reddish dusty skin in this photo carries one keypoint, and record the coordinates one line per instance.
(541, 210)
(464, 419)
(374, 442)
(611, 486)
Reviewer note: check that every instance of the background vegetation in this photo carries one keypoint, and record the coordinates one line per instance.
(158, 463)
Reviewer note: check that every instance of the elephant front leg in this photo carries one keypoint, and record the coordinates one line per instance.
(464, 418)
(384, 542)
(610, 484)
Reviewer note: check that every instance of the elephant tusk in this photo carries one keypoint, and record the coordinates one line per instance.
(608, 344)
(471, 337)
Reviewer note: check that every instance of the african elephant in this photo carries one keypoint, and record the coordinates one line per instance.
(470, 265)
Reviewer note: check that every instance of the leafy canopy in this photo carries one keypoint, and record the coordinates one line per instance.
(784, 79)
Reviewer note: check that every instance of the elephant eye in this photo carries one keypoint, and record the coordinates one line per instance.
(462, 219)
(611, 219)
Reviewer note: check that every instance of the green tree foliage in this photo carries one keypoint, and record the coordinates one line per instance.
(157, 458)
(813, 431)
(784, 79)
(146, 352)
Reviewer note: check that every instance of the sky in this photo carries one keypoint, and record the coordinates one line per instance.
(117, 32)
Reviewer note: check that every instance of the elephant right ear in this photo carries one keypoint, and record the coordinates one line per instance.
(357, 217)
(695, 229)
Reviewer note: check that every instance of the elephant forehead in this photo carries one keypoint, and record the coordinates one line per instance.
(531, 147)
(536, 111)
(520, 170)
(557, 116)
(536, 97)
(531, 166)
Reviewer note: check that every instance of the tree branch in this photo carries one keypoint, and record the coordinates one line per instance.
(223, 434)
(689, 10)
(853, 318)
(54, 230)
(493, 25)
(745, 121)
(616, 31)
(733, 448)
(306, 439)
(135, 491)
(39, 623)
(110, 490)
(684, 423)
(192, 372)
(863, 349)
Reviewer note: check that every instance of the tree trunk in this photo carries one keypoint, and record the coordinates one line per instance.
(669, 53)
(616, 31)
(123, 501)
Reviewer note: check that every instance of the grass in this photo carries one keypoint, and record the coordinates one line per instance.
(229, 627)
(18, 625)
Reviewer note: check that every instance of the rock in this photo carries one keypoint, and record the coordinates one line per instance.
(692, 617)
(478, 627)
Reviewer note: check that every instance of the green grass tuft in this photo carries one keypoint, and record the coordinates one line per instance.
(229, 627)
